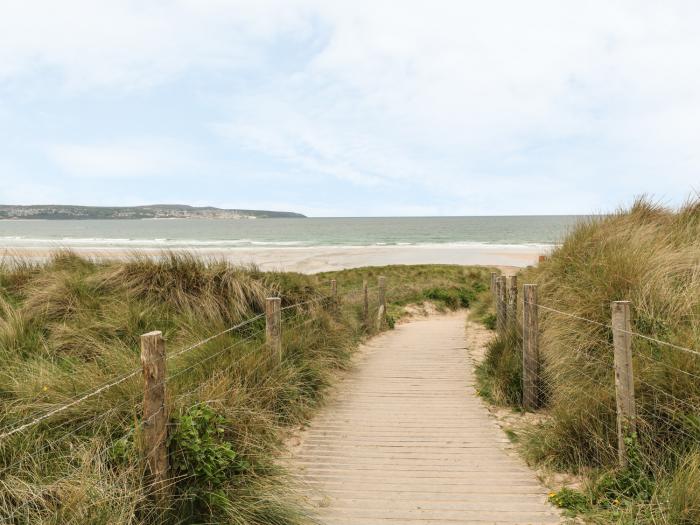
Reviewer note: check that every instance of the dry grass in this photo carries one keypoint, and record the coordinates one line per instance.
(650, 256)
(72, 325)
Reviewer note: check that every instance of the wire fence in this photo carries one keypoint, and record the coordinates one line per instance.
(633, 387)
(293, 317)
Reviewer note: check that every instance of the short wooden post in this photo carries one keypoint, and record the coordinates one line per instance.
(624, 377)
(365, 303)
(531, 352)
(512, 302)
(494, 275)
(273, 326)
(334, 294)
(381, 314)
(501, 305)
(155, 414)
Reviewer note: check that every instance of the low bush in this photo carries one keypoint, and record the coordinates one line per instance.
(500, 373)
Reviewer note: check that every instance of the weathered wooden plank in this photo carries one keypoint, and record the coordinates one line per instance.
(406, 440)
(531, 353)
(155, 414)
(624, 379)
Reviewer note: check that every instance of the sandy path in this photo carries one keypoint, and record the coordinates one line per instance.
(407, 441)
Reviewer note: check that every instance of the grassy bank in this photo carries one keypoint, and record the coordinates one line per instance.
(72, 326)
(649, 256)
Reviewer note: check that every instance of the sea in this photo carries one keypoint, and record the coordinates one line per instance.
(166, 234)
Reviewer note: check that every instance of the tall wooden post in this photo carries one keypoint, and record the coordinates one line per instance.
(501, 305)
(381, 315)
(365, 303)
(494, 276)
(512, 302)
(624, 377)
(155, 413)
(531, 352)
(273, 326)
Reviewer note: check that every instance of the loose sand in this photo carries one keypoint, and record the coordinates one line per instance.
(327, 258)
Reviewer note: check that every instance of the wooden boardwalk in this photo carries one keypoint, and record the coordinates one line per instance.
(407, 441)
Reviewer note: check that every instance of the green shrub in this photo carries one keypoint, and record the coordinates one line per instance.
(489, 321)
(571, 500)
(199, 450)
(453, 298)
(202, 458)
(500, 373)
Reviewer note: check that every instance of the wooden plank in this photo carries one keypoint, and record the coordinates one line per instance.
(155, 413)
(406, 440)
(512, 302)
(624, 377)
(531, 353)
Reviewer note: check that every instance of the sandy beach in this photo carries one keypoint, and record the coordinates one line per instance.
(323, 258)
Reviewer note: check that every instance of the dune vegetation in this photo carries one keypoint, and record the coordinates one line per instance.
(72, 325)
(650, 256)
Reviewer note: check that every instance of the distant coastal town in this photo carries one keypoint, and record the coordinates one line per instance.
(156, 211)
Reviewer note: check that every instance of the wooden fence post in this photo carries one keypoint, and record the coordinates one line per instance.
(624, 378)
(494, 275)
(501, 306)
(365, 303)
(155, 413)
(531, 352)
(334, 294)
(381, 315)
(512, 302)
(273, 326)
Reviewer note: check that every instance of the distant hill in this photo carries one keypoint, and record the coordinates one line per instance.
(155, 211)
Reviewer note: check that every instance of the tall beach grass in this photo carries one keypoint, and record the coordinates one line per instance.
(648, 255)
(72, 325)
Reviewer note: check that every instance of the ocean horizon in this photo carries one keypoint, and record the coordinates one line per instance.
(348, 232)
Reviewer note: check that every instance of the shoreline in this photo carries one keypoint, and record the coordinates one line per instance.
(314, 259)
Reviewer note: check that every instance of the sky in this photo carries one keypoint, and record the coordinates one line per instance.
(350, 108)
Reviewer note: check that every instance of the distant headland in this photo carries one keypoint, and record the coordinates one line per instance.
(155, 211)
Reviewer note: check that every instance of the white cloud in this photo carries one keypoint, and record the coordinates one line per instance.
(146, 158)
(127, 44)
(504, 105)
(16, 191)
(467, 100)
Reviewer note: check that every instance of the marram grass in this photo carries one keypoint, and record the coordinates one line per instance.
(650, 256)
(72, 325)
